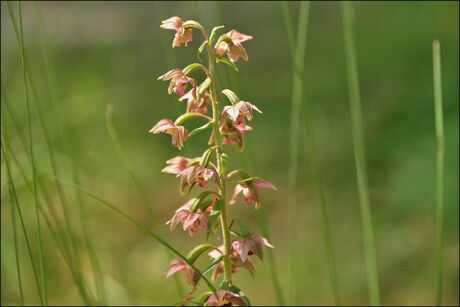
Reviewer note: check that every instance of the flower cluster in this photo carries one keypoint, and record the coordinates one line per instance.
(208, 209)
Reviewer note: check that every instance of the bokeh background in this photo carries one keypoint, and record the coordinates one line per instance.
(112, 52)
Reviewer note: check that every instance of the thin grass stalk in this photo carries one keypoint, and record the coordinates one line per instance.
(72, 239)
(9, 151)
(96, 267)
(59, 241)
(359, 152)
(121, 154)
(14, 196)
(311, 154)
(141, 226)
(439, 167)
(52, 83)
(15, 239)
(44, 296)
(297, 89)
(247, 158)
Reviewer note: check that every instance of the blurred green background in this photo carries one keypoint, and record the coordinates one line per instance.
(112, 52)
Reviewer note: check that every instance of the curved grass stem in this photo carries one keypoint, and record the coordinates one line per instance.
(359, 152)
(439, 167)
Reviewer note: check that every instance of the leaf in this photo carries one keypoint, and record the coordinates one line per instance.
(244, 229)
(226, 61)
(199, 129)
(213, 34)
(194, 161)
(200, 50)
(223, 162)
(198, 250)
(231, 95)
(192, 24)
(199, 199)
(205, 157)
(204, 86)
(215, 213)
(192, 67)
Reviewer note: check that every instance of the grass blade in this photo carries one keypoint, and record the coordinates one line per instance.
(71, 238)
(326, 233)
(297, 88)
(124, 159)
(360, 159)
(43, 296)
(14, 196)
(141, 226)
(439, 167)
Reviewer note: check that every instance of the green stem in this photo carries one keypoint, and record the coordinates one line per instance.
(360, 158)
(218, 142)
(297, 89)
(43, 296)
(21, 219)
(439, 167)
(314, 168)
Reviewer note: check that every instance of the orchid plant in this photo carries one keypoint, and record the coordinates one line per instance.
(209, 209)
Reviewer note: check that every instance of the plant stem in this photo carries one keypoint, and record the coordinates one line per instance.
(311, 154)
(297, 88)
(218, 142)
(439, 166)
(43, 296)
(360, 158)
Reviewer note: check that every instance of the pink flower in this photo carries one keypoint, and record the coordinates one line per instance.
(179, 81)
(232, 132)
(182, 35)
(240, 109)
(178, 133)
(196, 173)
(225, 298)
(178, 265)
(234, 257)
(251, 191)
(234, 48)
(252, 245)
(176, 165)
(191, 221)
(194, 104)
